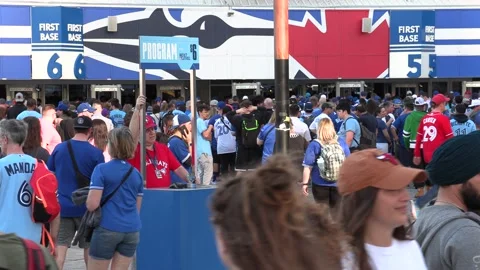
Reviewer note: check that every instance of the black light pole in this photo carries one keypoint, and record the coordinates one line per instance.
(280, 9)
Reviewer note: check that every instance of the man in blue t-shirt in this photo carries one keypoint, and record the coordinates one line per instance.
(116, 115)
(350, 130)
(86, 157)
(267, 139)
(16, 170)
(404, 155)
(203, 155)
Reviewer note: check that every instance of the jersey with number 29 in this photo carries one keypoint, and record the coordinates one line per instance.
(433, 131)
(16, 197)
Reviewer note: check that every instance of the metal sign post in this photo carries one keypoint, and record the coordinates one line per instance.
(193, 109)
(167, 53)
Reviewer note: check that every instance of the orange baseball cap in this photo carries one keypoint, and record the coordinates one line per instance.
(373, 168)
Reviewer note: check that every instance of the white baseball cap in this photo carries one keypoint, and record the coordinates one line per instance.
(323, 97)
(19, 97)
(213, 102)
(475, 103)
(414, 96)
(419, 101)
(244, 98)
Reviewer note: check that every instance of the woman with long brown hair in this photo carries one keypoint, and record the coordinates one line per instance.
(262, 222)
(98, 137)
(317, 165)
(33, 142)
(374, 211)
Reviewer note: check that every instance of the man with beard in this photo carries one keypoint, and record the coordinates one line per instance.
(449, 231)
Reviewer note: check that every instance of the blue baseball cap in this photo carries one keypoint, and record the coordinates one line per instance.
(85, 107)
(158, 99)
(179, 103)
(221, 105)
(397, 101)
(308, 107)
(435, 92)
(179, 120)
(62, 107)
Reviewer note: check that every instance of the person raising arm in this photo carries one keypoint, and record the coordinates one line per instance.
(159, 159)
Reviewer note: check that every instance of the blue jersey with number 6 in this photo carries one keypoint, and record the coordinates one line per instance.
(16, 197)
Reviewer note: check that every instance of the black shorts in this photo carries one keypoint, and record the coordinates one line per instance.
(216, 158)
(248, 158)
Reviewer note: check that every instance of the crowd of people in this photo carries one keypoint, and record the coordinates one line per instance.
(356, 155)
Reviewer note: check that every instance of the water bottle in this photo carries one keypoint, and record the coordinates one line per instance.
(191, 181)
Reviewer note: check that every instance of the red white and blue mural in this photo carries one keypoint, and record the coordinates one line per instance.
(324, 44)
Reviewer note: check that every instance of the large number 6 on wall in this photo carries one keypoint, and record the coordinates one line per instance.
(413, 64)
(79, 67)
(54, 69)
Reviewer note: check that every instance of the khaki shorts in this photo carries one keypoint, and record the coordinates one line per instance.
(67, 231)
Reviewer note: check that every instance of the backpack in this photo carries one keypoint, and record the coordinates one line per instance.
(330, 161)
(250, 131)
(45, 206)
(368, 139)
(160, 123)
(308, 120)
(34, 255)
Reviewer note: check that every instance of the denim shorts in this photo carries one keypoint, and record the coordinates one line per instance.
(105, 243)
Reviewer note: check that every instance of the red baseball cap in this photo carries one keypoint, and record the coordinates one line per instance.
(149, 123)
(439, 99)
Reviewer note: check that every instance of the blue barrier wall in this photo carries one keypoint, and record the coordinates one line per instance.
(176, 232)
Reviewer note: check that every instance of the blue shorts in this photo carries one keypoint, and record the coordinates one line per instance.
(105, 243)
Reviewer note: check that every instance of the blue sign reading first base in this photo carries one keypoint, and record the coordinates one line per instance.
(168, 53)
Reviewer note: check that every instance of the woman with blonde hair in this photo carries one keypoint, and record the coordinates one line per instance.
(262, 222)
(322, 161)
(98, 137)
(115, 240)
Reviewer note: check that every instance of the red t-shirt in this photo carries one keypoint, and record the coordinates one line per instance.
(433, 131)
(166, 162)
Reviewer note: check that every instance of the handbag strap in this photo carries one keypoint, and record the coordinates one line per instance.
(118, 187)
(72, 157)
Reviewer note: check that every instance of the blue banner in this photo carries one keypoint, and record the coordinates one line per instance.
(412, 44)
(57, 43)
(169, 53)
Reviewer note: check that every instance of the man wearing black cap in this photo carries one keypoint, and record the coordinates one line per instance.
(449, 231)
(73, 162)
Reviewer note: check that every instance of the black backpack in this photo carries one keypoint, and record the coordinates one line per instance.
(368, 139)
(250, 130)
(308, 120)
(160, 123)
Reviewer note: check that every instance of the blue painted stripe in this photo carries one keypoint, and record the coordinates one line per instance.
(412, 47)
(458, 66)
(417, 50)
(15, 15)
(101, 71)
(457, 42)
(15, 40)
(460, 18)
(15, 67)
(57, 50)
(64, 45)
